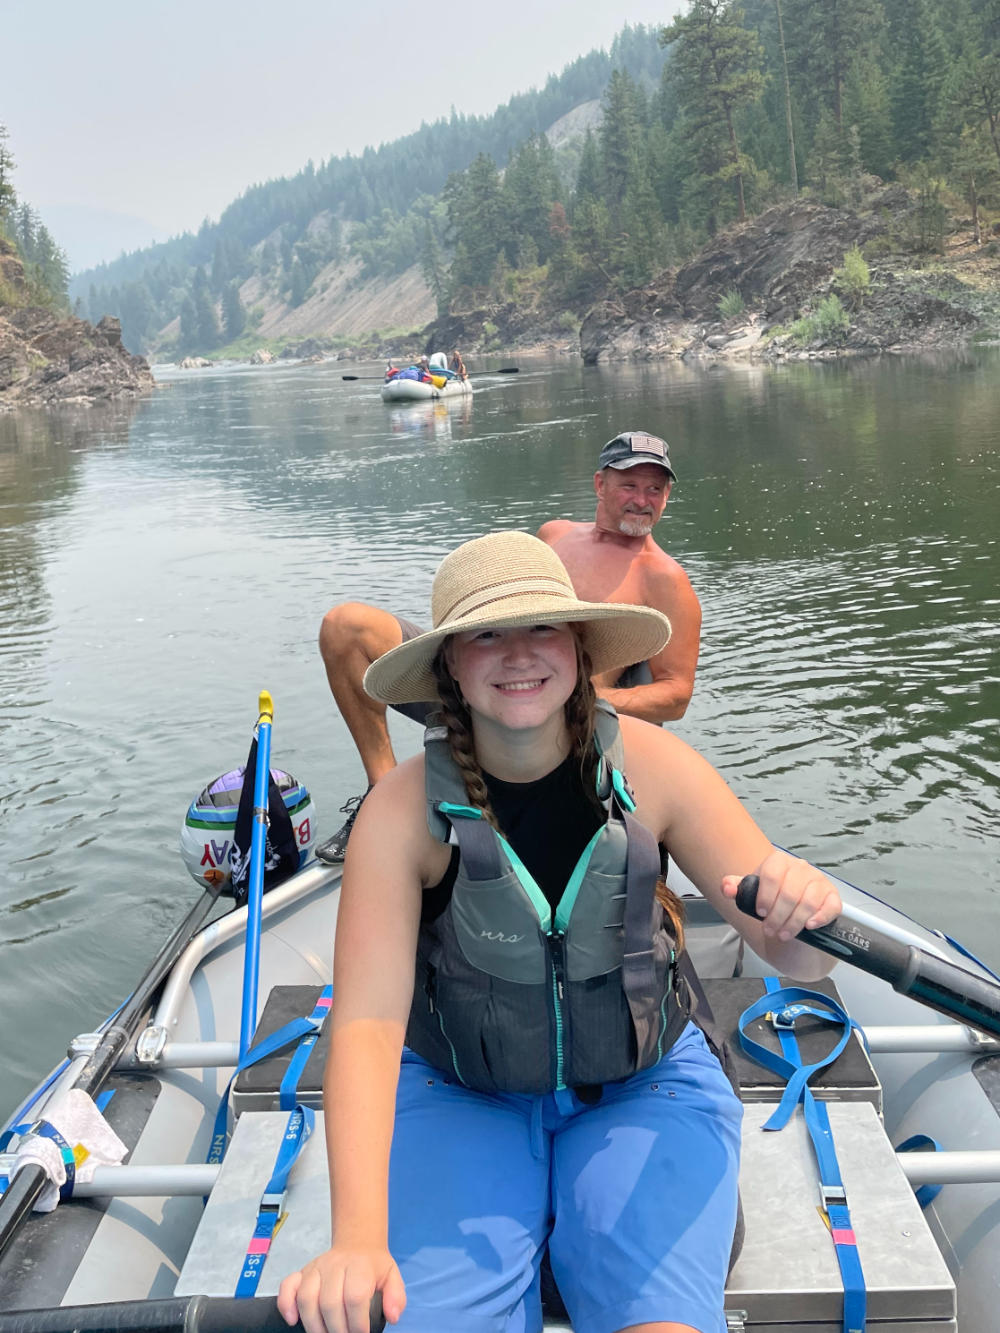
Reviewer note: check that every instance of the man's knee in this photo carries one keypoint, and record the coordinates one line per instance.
(356, 627)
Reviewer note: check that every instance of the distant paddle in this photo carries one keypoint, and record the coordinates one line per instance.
(504, 370)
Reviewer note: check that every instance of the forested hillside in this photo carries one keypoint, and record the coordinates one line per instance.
(717, 116)
(382, 206)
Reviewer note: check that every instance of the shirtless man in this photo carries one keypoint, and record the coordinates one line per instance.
(613, 559)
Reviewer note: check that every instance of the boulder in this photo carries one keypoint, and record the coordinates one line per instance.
(262, 357)
(194, 363)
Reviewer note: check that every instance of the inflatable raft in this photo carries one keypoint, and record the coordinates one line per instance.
(399, 390)
(166, 1238)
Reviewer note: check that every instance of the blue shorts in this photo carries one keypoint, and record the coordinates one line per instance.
(635, 1194)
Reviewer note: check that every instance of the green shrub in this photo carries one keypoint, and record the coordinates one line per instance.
(730, 304)
(827, 324)
(854, 279)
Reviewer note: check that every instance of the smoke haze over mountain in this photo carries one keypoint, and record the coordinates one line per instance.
(150, 119)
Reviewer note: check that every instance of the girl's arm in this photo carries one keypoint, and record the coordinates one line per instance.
(715, 843)
(388, 859)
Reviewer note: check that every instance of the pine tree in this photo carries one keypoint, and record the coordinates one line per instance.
(8, 199)
(716, 69)
(825, 40)
(642, 242)
(188, 336)
(234, 316)
(299, 283)
(220, 268)
(206, 318)
(589, 184)
(477, 221)
(787, 89)
(433, 269)
(916, 91)
(866, 106)
(619, 139)
(828, 167)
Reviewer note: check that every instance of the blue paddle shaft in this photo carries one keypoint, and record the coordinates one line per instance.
(255, 889)
(933, 981)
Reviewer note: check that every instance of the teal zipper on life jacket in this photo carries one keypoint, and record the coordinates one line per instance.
(440, 1019)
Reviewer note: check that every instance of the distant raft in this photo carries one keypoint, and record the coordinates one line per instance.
(419, 383)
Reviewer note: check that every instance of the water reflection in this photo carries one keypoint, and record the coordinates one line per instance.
(162, 562)
(432, 419)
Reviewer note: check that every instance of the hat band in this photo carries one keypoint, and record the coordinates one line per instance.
(541, 586)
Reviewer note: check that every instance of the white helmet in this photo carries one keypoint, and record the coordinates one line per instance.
(207, 831)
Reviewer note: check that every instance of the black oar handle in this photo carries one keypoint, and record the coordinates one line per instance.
(940, 984)
(175, 1314)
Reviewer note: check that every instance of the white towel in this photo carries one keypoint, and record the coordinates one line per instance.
(92, 1139)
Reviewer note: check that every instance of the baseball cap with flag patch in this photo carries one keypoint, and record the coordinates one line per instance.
(633, 447)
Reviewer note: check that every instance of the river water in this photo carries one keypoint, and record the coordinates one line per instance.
(162, 562)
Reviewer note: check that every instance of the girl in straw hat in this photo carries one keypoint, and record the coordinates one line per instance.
(512, 1061)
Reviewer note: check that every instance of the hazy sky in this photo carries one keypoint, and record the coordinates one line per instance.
(130, 122)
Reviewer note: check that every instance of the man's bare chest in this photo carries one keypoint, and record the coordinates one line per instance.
(603, 573)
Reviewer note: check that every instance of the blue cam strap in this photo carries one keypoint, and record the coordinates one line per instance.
(924, 1194)
(783, 1006)
(288, 1090)
(300, 1030)
(297, 1133)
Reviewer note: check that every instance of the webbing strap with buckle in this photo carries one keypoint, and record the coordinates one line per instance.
(783, 1006)
(300, 1030)
(288, 1090)
(296, 1136)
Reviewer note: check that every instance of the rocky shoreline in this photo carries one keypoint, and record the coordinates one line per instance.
(48, 358)
(781, 265)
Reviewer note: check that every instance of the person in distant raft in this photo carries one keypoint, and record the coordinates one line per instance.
(458, 365)
(612, 559)
(513, 1061)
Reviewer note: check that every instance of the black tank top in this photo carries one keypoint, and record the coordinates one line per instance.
(548, 823)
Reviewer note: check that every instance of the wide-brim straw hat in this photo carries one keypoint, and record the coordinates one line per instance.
(502, 581)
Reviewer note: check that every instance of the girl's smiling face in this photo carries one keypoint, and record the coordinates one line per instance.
(517, 676)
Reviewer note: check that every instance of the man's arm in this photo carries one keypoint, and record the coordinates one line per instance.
(667, 696)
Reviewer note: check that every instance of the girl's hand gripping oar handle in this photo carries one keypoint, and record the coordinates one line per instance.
(940, 984)
(171, 1314)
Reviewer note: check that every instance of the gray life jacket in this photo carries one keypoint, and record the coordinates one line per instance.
(512, 997)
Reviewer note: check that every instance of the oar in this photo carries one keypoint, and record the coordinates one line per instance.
(25, 1187)
(504, 370)
(172, 1314)
(912, 971)
(255, 886)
